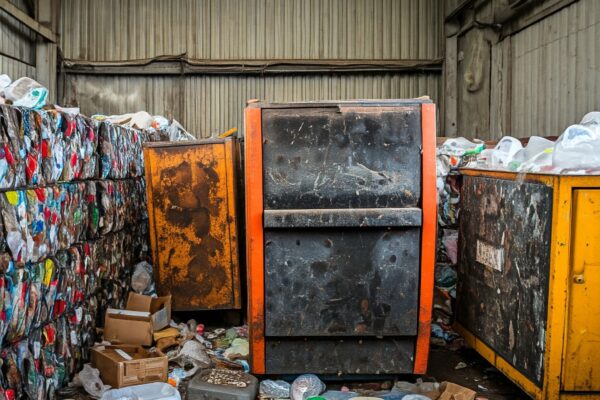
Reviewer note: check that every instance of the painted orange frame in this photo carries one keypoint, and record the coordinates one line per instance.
(428, 235)
(254, 238)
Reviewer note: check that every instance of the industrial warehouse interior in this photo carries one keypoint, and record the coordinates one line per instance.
(299, 199)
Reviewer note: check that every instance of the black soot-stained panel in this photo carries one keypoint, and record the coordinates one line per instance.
(341, 282)
(335, 157)
(502, 289)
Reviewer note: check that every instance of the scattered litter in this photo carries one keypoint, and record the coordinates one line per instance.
(89, 379)
(176, 376)
(276, 389)
(221, 384)
(141, 279)
(149, 391)
(460, 365)
(191, 357)
(452, 391)
(306, 386)
(26, 92)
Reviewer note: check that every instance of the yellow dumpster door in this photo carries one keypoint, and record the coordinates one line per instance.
(581, 361)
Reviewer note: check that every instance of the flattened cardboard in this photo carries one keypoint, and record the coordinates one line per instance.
(142, 317)
(452, 391)
(118, 371)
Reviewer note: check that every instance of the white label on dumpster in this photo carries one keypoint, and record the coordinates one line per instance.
(490, 256)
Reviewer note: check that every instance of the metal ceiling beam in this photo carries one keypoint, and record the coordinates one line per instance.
(180, 65)
(26, 20)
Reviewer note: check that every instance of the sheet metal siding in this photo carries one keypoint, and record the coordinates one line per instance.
(214, 104)
(556, 70)
(17, 44)
(251, 29)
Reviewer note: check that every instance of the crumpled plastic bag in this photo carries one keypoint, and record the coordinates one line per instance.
(275, 389)
(26, 92)
(579, 145)
(154, 390)
(89, 378)
(192, 354)
(4, 82)
(306, 386)
(141, 279)
(239, 348)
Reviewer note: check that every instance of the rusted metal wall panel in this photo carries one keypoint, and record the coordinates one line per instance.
(193, 223)
(213, 104)
(251, 29)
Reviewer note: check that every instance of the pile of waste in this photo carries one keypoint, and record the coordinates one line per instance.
(156, 127)
(453, 154)
(576, 151)
(310, 387)
(190, 348)
(28, 93)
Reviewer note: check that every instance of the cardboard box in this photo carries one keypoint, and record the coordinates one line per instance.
(452, 391)
(142, 316)
(122, 366)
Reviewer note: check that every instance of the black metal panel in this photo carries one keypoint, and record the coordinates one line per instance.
(503, 272)
(342, 157)
(338, 218)
(333, 356)
(341, 282)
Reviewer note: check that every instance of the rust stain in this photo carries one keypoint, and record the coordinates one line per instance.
(194, 226)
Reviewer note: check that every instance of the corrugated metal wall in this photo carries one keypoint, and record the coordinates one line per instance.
(213, 104)
(111, 30)
(556, 70)
(119, 30)
(537, 79)
(17, 46)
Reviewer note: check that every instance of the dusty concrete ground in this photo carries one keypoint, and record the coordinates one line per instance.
(479, 375)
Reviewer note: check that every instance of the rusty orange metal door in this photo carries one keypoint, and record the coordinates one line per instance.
(193, 222)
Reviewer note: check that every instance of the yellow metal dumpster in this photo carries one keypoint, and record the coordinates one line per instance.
(528, 293)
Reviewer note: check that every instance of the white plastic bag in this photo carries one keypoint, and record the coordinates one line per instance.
(579, 146)
(148, 391)
(535, 146)
(26, 92)
(306, 386)
(4, 82)
(141, 279)
(89, 378)
(275, 389)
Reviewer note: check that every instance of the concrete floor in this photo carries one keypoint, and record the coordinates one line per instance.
(479, 375)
